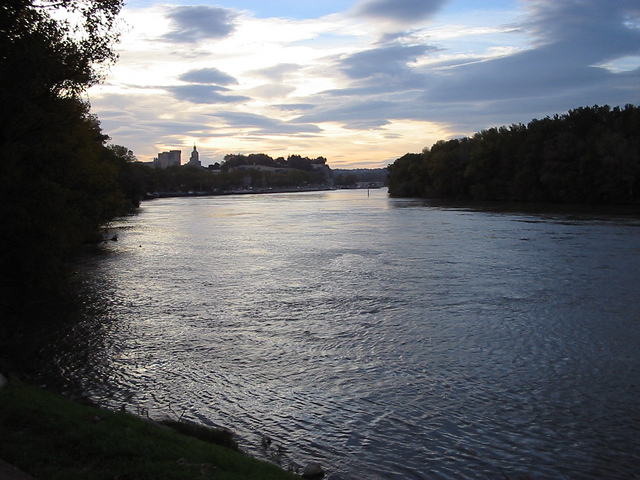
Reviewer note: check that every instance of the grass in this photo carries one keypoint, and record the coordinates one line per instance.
(51, 437)
(219, 436)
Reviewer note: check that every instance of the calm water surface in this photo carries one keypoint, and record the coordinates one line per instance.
(384, 338)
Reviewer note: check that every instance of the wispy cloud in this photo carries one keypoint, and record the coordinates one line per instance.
(262, 125)
(208, 76)
(207, 94)
(279, 72)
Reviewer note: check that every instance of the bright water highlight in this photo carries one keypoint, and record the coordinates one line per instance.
(384, 338)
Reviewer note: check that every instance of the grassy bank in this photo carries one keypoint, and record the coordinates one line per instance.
(51, 437)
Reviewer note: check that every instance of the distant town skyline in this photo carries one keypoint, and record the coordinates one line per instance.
(358, 82)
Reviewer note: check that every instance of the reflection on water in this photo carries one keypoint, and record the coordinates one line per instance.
(384, 338)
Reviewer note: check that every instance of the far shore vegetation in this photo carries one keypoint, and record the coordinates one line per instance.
(236, 172)
(591, 155)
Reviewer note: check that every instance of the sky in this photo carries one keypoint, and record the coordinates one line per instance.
(359, 82)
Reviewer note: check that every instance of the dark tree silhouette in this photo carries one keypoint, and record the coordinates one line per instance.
(58, 181)
(591, 155)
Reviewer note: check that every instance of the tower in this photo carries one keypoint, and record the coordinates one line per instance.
(168, 159)
(194, 160)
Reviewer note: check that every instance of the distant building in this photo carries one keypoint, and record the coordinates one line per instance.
(168, 159)
(194, 160)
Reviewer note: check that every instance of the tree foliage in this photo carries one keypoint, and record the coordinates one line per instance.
(590, 155)
(58, 180)
(292, 161)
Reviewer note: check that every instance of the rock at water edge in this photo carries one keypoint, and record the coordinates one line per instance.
(3, 381)
(313, 470)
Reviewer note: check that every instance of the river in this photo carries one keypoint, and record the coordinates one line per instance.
(383, 338)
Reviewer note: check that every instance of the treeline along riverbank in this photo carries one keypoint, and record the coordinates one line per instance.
(590, 155)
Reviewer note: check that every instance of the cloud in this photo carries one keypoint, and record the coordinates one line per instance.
(390, 60)
(279, 72)
(570, 40)
(403, 12)
(362, 90)
(272, 90)
(590, 31)
(383, 82)
(569, 21)
(193, 24)
(204, 94)
(148, 125)
(262, 125)
(208, 76)
(281, 78)
(561, 69)
(294, 107)
(564, 69)
(355, 114)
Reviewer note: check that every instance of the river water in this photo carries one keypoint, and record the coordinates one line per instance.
(383, 338)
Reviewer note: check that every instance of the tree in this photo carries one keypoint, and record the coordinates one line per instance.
(300, 163)
(230, 161)
(591, 155)
(58, 182)
(407, 178)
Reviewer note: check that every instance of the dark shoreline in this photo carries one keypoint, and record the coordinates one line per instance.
(253, 191)
(151, 196)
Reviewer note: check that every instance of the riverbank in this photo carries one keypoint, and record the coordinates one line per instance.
(242, 191)
(50, 437)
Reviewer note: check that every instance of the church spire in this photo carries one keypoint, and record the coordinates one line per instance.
(195, 157)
